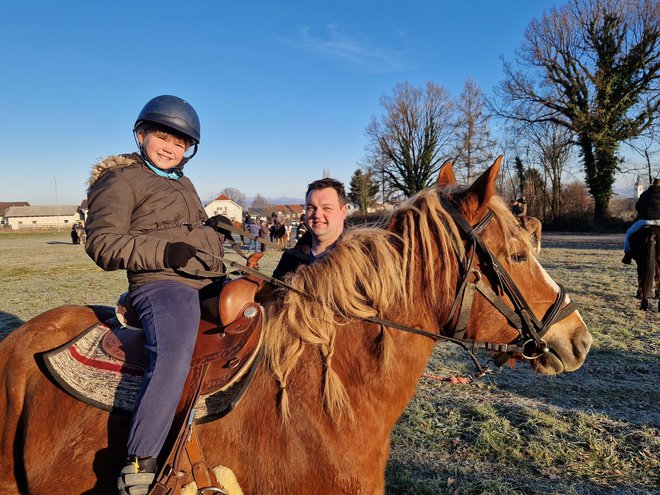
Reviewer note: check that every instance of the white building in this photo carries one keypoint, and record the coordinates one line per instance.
(42, 217)
(222, 205)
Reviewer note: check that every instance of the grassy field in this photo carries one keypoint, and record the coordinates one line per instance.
(595, 431)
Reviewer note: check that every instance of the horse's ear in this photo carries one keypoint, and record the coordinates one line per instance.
(446, 175)
(484, 187)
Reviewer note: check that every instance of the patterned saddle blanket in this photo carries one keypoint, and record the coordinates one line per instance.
(104, 366)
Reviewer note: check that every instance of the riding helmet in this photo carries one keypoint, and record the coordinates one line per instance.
(172, 112)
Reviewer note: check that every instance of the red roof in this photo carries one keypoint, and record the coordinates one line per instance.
(298, 209)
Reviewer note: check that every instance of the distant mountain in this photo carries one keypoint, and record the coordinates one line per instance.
(282, 200)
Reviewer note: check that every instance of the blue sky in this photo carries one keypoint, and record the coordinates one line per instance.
(284, 90)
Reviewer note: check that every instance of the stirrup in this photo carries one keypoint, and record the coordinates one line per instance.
(137, 476)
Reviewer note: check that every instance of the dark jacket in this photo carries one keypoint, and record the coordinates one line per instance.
(134, 213)
(300, 254)
(648, 204)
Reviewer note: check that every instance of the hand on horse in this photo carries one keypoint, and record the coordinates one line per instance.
(177, 254)
(217, 221)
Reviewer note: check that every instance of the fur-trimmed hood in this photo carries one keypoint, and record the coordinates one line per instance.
(113, 161)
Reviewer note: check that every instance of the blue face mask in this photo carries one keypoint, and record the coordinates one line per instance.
(176, 174)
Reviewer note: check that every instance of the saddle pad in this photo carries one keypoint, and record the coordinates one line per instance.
(84, 370)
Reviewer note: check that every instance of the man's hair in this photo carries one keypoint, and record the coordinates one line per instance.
(324, 184)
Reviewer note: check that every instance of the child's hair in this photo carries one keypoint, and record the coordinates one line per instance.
(147, 127)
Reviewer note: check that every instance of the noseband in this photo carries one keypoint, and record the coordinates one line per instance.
(529, 343)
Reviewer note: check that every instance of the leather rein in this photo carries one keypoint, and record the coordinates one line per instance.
(529, 343)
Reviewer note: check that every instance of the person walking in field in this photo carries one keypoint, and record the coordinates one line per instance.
(146, 217)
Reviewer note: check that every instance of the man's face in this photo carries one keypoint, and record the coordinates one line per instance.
(325, 215)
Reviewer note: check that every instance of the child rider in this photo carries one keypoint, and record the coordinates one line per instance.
(146, 217)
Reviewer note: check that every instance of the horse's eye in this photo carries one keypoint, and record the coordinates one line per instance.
(518, 257)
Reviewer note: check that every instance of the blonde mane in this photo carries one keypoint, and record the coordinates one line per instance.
(370, 273)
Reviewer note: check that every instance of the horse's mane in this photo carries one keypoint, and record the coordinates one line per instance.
(410, 258)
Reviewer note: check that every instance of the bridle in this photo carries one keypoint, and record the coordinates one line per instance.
(529, 343)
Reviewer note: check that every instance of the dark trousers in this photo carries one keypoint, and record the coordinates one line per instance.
(169, 312)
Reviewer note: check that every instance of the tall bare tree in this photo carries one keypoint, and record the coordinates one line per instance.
(408, 139)
(474, 146)
(592, 67)
(235, 195)
(260, 202)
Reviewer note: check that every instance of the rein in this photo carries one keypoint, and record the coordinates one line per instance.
(529, 343)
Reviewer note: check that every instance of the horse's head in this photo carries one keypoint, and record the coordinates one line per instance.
(505, 300)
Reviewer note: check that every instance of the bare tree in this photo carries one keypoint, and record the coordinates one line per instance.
(592, 67)
(474, 147)
(409, 138)
(235, 195)
(648, 146)
(260, 203)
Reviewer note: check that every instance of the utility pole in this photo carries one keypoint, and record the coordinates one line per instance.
(57, 209)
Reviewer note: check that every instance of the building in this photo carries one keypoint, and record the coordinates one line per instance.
(4, 206)
(223, 205)
(290, 213)
(42, 217)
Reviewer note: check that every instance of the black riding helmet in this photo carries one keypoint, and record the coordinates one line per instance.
(173, 112)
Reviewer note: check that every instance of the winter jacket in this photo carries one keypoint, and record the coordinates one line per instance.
(648, 204)
(134, 213)
(300, 254)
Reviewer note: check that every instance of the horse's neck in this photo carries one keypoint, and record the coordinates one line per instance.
(318, 445)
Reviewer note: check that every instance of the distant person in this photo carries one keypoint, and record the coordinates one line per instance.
(302, 227)
(519, 210)
(146, 217)
(325, 212)
(648, 213)
(80, 231)
(264, 232)
(254, 228)
(74, 234)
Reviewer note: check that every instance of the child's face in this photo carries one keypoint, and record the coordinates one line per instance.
(163, 150)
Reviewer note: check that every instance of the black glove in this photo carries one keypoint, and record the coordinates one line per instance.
(177, 254)
(217, 221)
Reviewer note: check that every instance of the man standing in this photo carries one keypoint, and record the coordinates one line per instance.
(325, 212)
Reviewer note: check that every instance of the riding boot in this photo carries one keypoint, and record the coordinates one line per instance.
(137, 476)
(627, 259)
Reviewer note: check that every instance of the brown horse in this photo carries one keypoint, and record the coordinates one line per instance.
(533, 226)
(645, 250)
(319, 413)
(238, 225)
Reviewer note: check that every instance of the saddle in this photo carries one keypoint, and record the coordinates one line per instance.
(227, 338)
(225, 353)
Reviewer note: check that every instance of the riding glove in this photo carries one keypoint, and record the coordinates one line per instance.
(177, 254)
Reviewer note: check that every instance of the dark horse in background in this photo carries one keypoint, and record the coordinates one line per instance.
(645, 250)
